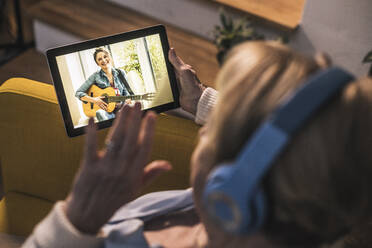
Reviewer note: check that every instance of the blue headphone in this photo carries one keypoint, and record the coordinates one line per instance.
(233, 195)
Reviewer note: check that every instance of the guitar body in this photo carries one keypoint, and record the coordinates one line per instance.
(90, 109)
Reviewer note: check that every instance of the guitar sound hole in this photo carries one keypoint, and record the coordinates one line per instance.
(91, 104)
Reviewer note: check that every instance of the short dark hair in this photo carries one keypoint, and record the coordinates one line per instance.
(98, 50)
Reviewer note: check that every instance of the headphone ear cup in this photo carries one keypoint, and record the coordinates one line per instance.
(230, 202)
(257, 210)
(220, 197)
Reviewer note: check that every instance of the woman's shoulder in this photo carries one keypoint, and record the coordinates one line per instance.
(97, 75)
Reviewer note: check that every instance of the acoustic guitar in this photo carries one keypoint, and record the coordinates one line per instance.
(108, 95)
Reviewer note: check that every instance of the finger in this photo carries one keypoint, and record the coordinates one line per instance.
(130, 143)
(179, 85)
(153, 170)
(178, 78)
(146, 138)
(177, 74)
(174, 59)
(187, 67)
(117, 130)
(101, 105)
(90, 148)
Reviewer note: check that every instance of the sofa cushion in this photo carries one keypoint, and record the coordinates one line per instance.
(39, 161)
(20, 212)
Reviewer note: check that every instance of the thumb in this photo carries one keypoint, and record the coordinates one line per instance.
(153, 170)
(174, 59)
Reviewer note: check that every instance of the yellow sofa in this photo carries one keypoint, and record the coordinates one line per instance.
(38, 160)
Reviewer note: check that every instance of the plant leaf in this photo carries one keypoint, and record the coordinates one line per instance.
(284, 39)
(223, 19)
(229, 24)
(368, 58)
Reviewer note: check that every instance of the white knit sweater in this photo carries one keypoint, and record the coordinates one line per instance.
(206, 103)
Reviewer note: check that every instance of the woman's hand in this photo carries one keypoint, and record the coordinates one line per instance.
(128, 101)
(102, 104)
(188, 83)
(112, 177)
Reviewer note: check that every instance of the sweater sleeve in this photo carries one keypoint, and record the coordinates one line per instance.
(206, 103)
(56, 231)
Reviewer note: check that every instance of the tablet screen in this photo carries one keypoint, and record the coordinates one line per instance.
(98, 80)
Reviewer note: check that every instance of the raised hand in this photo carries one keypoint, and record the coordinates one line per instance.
(110, 178)
(188, 83)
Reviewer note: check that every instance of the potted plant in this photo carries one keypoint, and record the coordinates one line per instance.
(232, 32)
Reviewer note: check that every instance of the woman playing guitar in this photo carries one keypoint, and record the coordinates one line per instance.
(107, 76)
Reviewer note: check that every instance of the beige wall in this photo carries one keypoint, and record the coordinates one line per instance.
(342, 28)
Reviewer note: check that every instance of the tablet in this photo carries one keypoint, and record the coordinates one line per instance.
(95, 78)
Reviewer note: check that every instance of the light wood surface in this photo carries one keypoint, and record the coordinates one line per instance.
(286, 13)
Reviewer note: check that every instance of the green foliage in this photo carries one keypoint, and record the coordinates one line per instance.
(133, 64)
(156, 55)
(232, 32)
(284, 39)
(368, 59)
(126, 55)
(131, 58)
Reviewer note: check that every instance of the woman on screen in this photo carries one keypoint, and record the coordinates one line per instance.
(113, 80)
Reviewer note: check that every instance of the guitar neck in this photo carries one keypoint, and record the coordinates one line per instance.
(123, 98)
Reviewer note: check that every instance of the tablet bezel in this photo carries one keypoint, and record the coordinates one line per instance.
(88, 44)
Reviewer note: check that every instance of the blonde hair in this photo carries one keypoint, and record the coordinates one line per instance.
(319, 188)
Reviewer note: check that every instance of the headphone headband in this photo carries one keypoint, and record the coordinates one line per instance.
(318, 90)
(232, 194)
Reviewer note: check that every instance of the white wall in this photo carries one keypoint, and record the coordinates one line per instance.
(193, 15)
(196, 16)
(47, 36)
(341, 28)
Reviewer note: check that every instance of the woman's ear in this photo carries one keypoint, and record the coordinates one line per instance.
(323, 60)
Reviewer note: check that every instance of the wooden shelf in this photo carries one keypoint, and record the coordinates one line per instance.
(90, 19)
(286, 13)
